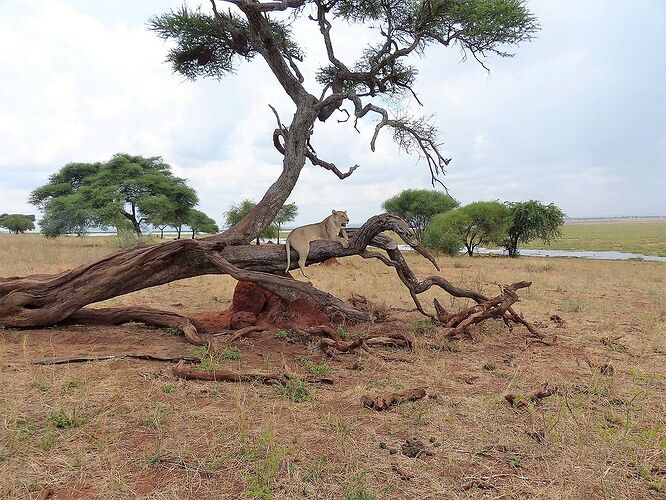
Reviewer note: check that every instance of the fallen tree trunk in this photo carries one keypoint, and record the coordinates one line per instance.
(45, 300)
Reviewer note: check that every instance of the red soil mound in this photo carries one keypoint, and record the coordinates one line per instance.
(330, 262)
(252, 305)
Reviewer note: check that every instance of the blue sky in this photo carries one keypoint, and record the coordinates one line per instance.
(577, 117)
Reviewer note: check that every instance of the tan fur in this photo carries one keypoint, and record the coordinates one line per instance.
(331, 228)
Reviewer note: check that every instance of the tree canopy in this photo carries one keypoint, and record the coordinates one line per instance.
(530, 220)
(238, 211)
(17, 223)
(287, 213)
(128, 187)
(477, 224)
(199, 222)
(419, 206)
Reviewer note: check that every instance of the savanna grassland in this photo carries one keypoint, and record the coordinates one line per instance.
(643, 236)
(131, 429)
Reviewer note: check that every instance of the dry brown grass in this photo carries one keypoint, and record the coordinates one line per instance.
(129, 429)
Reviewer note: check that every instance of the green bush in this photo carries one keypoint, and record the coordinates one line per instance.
(440, 236)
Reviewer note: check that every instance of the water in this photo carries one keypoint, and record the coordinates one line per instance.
(581, 254)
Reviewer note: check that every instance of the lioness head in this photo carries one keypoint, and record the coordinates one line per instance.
(341, 217)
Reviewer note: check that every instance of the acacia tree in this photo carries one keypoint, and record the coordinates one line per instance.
(127, 187)
(17, 223)
(213, 45)
(199, 222)
(419, 206)
(531, 220)
(287, 213)
(476, 224)
(238, 211)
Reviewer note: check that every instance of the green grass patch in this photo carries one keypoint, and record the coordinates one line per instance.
(648, 238)
(60, 419)
(169, 388)
(295, 390)
(231, 353)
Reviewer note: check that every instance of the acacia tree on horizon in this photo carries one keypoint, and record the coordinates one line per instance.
(213, 45)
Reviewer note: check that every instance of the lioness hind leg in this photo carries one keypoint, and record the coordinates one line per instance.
(301, 264)
(303, 248)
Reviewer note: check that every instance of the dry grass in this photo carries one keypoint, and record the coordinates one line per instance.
(129, 429)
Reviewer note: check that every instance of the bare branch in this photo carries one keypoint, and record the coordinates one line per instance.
(318, 162)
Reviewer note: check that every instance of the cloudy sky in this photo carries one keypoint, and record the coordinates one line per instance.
(577, 118)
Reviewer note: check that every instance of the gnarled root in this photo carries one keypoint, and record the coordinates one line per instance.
(38, 301)
(330, 338)
(146, 315)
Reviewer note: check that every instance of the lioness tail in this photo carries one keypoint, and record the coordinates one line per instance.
(287, 245)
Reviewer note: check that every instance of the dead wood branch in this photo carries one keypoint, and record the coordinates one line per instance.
(330, 338)
(458, 323)
(147, 315)
(384, 401)
(85, 359)
(224, 375)
(37, 301)
(402, 473)
(523, 400)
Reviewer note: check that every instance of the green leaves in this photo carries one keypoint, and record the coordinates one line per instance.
(17, 223)
(418, 206)
(532, 220)
(470, 226)
(127, 187)
(213, 45)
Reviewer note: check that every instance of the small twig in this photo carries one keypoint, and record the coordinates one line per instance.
(85, 359)
(404, 475)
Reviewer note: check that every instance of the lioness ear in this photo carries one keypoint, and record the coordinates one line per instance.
(333, 212)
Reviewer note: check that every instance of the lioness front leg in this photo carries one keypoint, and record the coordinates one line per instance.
(343, 238)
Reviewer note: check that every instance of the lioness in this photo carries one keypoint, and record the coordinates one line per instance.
(331, 228)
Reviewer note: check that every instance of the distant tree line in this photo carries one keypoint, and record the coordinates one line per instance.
(440, 223)
(128, 192)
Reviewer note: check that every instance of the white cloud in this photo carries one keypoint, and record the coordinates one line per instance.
(576, 118)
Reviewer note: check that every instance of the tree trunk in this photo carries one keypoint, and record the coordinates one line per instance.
(178, 230)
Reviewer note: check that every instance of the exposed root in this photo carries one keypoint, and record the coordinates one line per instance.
(146, 315)
(457, 324)
(223, 375)
(288, 288)
(38, 301)
(415, 287)
(387, 400)
(237, 334)
(330, 338)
